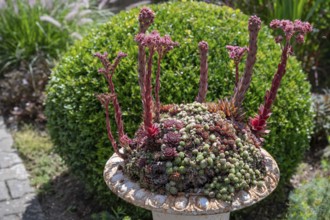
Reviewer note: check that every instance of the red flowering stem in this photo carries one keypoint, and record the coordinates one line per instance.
(281, 70)
(105, 99)
(259, 122)
(244, 82)
(108, 72)
(115, 103)
(148, 95)
(110, 136)
(236, 74)
(157, 88)
(203, 48)
(141, 69)
(146, 18)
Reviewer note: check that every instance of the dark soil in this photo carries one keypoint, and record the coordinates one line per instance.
(65, 198)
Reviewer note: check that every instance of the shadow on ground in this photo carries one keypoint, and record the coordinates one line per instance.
(64, 198)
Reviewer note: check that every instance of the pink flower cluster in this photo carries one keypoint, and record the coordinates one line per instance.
(290, 28)
(146, 18)
(154, 41)
(108, 69)
(254, 23)
(236, 53)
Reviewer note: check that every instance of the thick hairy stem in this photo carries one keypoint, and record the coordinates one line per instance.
(203, 48)
(110, 136)
(259, 122)
(236, 74)
(148, 95)
(118, 114)
(281, 69)
(244, 82)
(142, 70)
(105, 99)
(146, 18)
(157, 88)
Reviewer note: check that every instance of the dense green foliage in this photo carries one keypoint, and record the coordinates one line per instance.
(76, 118)
(311, 200)
(41, 29)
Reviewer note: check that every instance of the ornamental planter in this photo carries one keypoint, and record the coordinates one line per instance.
(195, 160)
(186, 206)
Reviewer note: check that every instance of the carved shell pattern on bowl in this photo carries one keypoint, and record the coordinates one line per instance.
(187, 204)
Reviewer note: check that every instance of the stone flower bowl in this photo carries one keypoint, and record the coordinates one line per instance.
(187, 206)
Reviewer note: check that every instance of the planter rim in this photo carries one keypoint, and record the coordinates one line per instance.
(186, 204)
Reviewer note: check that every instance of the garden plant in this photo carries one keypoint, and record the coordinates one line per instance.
(201, 147)
(76, 120)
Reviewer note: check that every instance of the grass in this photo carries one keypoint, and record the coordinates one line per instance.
(30, 31)
(36, 150)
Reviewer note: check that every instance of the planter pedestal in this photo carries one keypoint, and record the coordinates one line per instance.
(185, 206)
(165, 216)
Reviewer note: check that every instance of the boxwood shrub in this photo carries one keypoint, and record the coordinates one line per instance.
(76, 119)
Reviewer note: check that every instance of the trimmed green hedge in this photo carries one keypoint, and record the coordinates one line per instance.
(76, 119)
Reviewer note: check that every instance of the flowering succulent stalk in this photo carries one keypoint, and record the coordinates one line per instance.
(203, 48)
(146, 18)
(108, 71)
(157, 88)
(155, 43)
(165, 45)
(148, 41)
(148, 92)
(259, 122)
(236, 53)
(105, 99)
(244, 82)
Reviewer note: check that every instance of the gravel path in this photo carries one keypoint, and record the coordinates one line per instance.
(17, 198)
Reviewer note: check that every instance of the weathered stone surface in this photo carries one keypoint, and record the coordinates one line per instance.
(6, 140)
(27, 207)
(19, 188)
(4, 133)
(15, 206)
(15, 172)
(194, 204)
(5, 144)
(4, 195)
(16, 200)
(11, 217)
(8, 159)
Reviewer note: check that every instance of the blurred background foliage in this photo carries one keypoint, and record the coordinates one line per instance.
(33, 35)
(315, 52)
